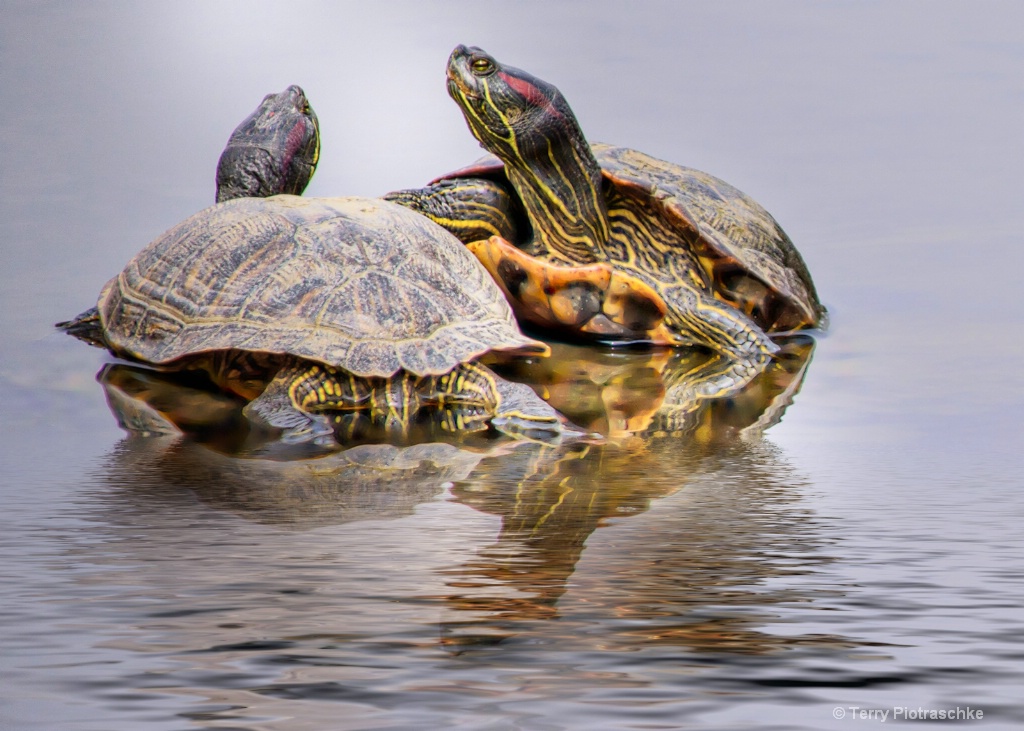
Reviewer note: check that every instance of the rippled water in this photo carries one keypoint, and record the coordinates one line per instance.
(841, 536)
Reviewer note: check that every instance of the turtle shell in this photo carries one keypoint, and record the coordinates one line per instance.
(749, 259)
(355, 283)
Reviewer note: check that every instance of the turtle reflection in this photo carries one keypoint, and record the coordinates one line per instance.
(674, 419)
(186, 436)
(365, 482)
(698, 571)
(147, 401)
(620, 392)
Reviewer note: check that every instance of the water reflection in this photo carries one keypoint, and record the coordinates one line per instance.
(680, 424)
(366, 482)
(186, 437)
(735, 523)
(678, 429)
(613, 392)
(619, 392)
(662, 413)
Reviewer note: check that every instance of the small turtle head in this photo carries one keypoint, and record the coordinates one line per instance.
(274, 150)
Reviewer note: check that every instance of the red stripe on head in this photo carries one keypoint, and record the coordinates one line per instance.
(292, 143)
(534, 96)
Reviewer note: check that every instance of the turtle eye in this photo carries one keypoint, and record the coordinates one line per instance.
(482, 66)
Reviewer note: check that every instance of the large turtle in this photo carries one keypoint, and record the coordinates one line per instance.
(618, 244)
(311, 307)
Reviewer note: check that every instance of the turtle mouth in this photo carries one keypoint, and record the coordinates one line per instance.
(457, 86)
(461, 82)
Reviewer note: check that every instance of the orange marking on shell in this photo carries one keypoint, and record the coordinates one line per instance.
(633, 304)
(547, 294)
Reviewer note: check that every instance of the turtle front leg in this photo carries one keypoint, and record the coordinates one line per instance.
(470, 208)
(521, 413)
(700, 319)
(592, 300)
(472, 397)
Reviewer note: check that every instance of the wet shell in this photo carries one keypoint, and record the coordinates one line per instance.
(355, 283)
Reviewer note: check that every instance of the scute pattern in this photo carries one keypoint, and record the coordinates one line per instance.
(727, 229)
(359, 284)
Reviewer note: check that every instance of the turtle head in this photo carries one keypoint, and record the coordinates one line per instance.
(529, 126)
(510, 112)
(274, 150)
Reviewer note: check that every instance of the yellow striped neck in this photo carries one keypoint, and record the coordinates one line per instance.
(560, 186)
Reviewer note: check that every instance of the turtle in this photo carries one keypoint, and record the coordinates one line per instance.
(315, 307)
(322, 309)
(615, 244)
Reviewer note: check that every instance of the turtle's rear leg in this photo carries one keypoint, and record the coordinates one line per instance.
(312, 402)
(700, 319)
(291, 402)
